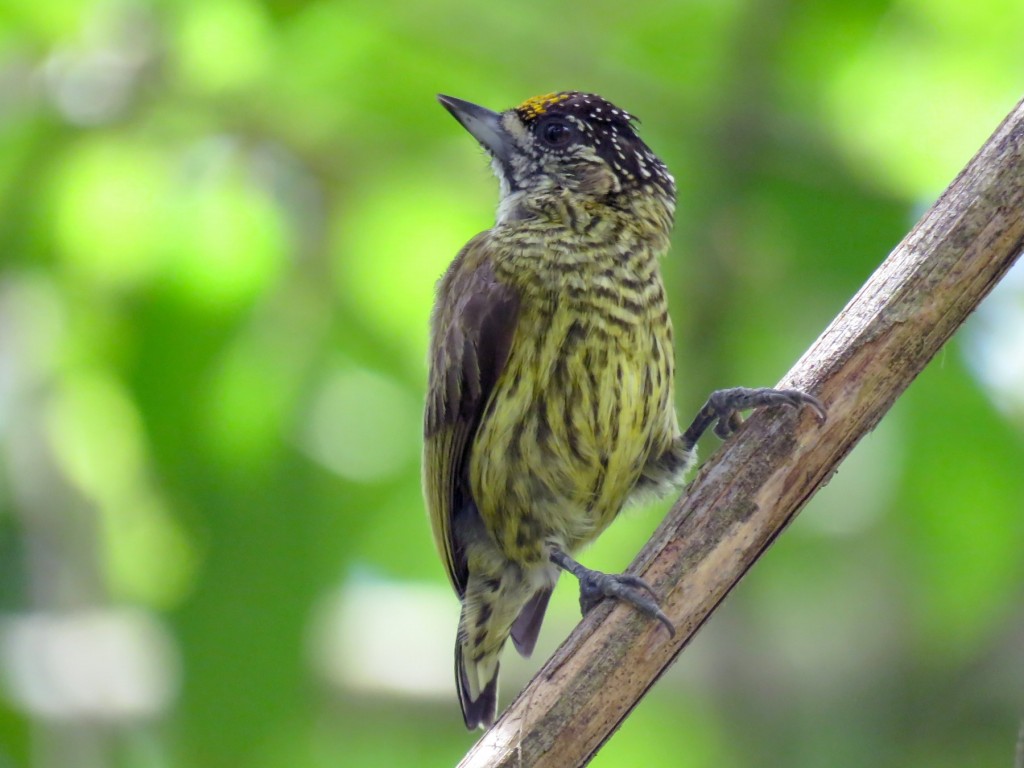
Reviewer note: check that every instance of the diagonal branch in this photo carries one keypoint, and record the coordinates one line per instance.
(750, 490)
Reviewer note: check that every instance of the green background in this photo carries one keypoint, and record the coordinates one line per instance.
(220, 226)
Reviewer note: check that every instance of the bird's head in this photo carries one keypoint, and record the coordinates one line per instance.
(574, 142)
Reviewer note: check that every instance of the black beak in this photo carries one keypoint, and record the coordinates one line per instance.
(483, 124)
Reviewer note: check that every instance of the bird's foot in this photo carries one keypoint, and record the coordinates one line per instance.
(724, 406)
(595, 586)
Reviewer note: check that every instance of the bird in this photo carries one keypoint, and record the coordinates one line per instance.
(549, 403)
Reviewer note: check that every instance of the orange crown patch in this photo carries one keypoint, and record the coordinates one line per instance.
(533, 108)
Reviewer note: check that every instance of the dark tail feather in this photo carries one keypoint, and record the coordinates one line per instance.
(482, 711)
(526, 627)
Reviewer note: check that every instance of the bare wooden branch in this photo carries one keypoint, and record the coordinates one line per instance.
(747, 493)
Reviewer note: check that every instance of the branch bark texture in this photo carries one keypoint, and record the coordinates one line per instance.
(758, 481)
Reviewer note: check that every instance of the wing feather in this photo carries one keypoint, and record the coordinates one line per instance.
(473, 325)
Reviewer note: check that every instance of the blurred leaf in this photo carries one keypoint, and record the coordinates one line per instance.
(394, 242)
(227, 240)
(109, 200)
(223, 45)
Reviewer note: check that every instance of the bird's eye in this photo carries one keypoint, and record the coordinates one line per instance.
(556, 133)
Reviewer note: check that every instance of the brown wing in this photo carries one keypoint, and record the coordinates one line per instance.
(472, 327)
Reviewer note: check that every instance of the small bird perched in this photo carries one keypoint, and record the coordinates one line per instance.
(551, 375)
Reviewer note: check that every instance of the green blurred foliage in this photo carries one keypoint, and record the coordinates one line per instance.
(220, 226)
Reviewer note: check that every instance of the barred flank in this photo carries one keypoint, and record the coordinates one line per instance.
(585, 397)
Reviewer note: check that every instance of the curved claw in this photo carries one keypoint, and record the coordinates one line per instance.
(635, 582)
(814, 404)
(724, 406)
(595, 586)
